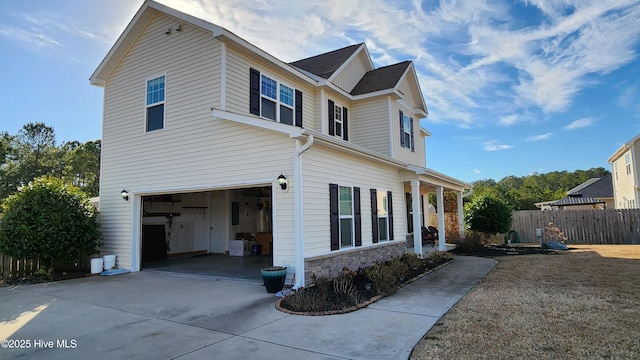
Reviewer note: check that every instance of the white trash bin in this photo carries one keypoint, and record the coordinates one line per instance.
(109, 262)
(96, 265)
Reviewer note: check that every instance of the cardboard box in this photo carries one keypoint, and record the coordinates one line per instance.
(236, 247)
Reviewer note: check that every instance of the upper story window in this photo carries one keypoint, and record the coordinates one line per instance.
(155, 104)
(274, 100)
(338, 120)
(406, 131)
(627, 162)
(615, 166)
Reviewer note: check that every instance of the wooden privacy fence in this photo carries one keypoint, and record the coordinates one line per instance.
(611, 226)
(13, 267)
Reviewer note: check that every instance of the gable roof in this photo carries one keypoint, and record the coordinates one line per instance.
(146, 12)
(595, 188)
(383, 78)
(324, 65)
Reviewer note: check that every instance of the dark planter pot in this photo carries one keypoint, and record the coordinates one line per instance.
(273, 278)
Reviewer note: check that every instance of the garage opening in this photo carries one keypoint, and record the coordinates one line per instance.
(221, 233)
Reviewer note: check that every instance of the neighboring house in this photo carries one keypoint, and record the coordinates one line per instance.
(595, 193)
(625, 163)
(207, 138)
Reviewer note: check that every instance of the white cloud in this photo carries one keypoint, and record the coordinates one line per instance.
(540, 137)
(476, 171)
(29, 38)
(477, 63)
(580, 123)
(494, 145)
(508, 120)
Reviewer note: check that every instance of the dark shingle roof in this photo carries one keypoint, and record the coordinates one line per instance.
(324, 65)
(595, 188)
(576, 200)
(380, 79)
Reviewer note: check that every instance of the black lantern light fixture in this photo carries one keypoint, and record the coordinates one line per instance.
(125, 195)
(282, 181)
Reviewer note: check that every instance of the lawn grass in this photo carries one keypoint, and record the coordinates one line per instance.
(580, 304)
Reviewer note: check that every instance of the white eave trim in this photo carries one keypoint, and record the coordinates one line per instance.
(348, 147)
(425, 131)
(226, 35)
(624, 148)
(350, 59)
(293, 132)
(418, 170)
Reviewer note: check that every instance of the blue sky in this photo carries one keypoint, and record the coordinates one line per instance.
(512, 87)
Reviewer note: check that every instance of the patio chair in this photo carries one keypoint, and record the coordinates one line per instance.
(429, 235)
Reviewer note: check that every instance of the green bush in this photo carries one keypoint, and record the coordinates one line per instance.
(471, 242)
(50, 220)
(488, 214)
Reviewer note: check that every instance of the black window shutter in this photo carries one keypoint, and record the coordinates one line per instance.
(411, 124)
(374, 215)
(401, 130)
(390, 216)
(345, 132)
(298, 100)
(331, 118)
(409, 202)
(254, 93)
(334, 217)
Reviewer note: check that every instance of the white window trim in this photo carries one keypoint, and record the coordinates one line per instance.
(406, 131)
(338, 104)
(164, 102)
(383, 193)
(351, 217)
(277, 100)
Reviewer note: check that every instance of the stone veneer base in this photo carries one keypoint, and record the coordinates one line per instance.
(331, 265)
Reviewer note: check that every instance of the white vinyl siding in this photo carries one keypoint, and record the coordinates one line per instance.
(624, 184)
(321, 167)
(416, 157)
(369, 123)
(238, 85)
(349, 77)
(189, 153)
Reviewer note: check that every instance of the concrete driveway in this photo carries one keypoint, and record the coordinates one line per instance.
(167, 316)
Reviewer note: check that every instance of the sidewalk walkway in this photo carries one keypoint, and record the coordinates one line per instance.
(164, 316)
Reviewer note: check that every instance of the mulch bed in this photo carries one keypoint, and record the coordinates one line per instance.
(504, 250)
(366, 295)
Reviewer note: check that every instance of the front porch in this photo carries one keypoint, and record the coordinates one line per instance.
(418, 185)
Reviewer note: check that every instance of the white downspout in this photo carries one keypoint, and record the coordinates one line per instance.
(298, 217)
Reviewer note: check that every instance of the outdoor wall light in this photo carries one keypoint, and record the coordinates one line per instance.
(125, 195)
(282, 181)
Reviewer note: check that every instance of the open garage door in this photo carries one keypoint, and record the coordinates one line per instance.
(199, 232)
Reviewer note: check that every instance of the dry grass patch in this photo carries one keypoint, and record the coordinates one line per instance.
(584, 303)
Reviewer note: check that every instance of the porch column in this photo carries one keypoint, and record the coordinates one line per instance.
(417, 224)
(441, 233)
(460, 214)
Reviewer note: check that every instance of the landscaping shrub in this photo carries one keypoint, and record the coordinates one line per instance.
(472, 241)
(488, 214)
(351, 288)
(50, 220)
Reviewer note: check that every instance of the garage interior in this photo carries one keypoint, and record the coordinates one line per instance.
(220, 233)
